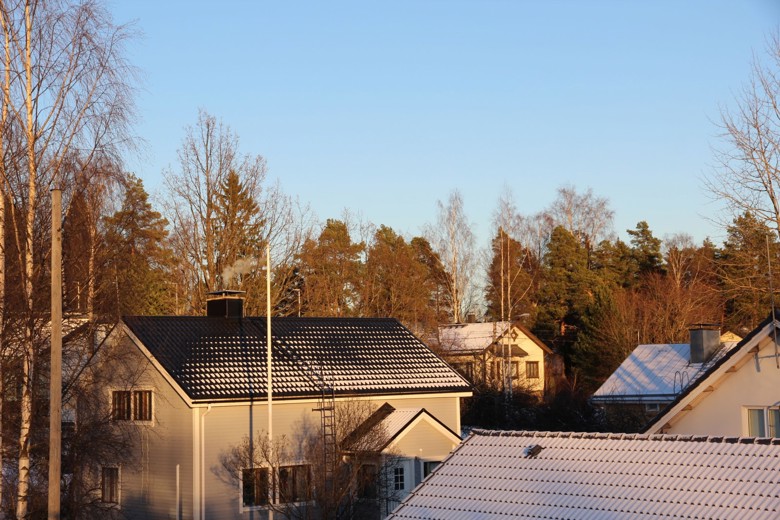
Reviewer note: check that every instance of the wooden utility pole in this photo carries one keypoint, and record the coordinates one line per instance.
(55, 381)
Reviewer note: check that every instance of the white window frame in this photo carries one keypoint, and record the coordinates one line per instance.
(256, 507)
(766, 417)
(133, 392)
(277, 487)
(399, 477)
(118, 469)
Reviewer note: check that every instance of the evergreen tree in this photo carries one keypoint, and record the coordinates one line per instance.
(137, 260)
(743, 269)
(439, 297)
(646, 249)
(331, 271)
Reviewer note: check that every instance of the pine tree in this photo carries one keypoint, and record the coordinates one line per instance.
(137, 260)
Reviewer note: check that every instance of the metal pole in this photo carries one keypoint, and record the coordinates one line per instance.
(269, 373)
(55, 380)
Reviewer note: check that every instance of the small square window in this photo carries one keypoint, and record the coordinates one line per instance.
(135, 405)
(109, 486)
(429, 466)
(532, 370)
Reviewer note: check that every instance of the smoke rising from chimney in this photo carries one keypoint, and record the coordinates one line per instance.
(241, 266)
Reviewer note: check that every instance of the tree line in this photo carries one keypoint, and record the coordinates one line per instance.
(66, 120)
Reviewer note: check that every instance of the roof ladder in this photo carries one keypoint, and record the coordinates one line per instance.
(327, 411)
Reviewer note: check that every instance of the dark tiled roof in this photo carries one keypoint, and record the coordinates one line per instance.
(224, 358)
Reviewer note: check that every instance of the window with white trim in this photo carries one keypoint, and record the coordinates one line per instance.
(763, 422)
(109, 485)
(294, 483)
(135, 405)
(399, 478)
(255, 487)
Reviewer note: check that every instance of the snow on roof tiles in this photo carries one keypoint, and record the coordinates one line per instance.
(224, 358)
(470, 337)
(656, 371)
(585, 475)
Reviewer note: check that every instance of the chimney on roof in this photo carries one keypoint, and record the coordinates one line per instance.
(471, 317)
(705, 341)
(225, 304)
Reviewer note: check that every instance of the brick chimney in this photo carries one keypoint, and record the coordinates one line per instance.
(705, 341)
(225, 304)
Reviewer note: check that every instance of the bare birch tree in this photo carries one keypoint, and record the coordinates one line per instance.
(747, 174)
(66, 91)
(453, 239)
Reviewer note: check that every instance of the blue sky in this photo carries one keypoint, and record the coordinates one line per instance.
(385, 107)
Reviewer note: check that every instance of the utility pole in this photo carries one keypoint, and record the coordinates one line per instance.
(55, 380)
(269, 374)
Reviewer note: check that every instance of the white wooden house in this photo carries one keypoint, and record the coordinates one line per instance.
(200, 389)
(737, 396)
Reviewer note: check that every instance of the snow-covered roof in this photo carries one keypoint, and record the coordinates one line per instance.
(390, 423)
(535, 475)
(214, 358)
(470, 337)
(656, 372)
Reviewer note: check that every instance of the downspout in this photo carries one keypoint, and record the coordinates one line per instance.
(203, 463)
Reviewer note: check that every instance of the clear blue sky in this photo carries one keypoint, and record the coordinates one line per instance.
(385, 107)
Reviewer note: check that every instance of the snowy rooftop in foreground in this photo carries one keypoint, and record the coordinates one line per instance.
(656, 371)
(535, 475)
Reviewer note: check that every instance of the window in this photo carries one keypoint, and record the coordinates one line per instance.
(466, 369)
(532, 370)
(254, 487)
(497, 370)
(763, 422)
(515, 369)
(120, 406)
(294, 483)
(135, 405)
(652, 407)
(367, 477)
(429, 466)
(399, 482)
(142, 405)
(110, 485)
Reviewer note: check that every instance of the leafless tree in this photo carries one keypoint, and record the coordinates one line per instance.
(346, 491)
(67, 90)
(453, 239)
(586, 216)
(208, 156)
(747, 173)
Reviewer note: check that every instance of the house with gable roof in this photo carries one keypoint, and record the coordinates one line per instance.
(199, 390)
(653, 375)
(500, 354)
(598, 476)
(736, 396)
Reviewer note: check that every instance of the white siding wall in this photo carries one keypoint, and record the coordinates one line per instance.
(755, 384)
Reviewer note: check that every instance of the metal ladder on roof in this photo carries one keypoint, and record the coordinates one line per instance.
(326, 407)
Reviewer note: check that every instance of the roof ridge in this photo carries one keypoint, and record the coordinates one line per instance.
(665, 437)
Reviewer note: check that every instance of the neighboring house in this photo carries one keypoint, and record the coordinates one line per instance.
(653, 375)
(736, 396)
(597, 476)
(199, 391)
(500, 354)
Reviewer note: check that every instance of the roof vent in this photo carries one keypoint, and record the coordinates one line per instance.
(225, 304)
(532, 451)
(705, 341)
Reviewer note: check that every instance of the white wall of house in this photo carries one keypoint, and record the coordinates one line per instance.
(148, 488)
(724, 410)
(535, 355)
